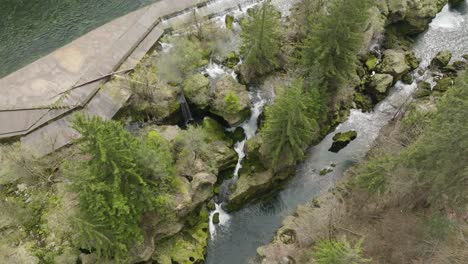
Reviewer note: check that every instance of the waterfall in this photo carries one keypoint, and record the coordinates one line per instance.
(186, 113)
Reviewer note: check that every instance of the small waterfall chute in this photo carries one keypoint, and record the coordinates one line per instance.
(186, 113)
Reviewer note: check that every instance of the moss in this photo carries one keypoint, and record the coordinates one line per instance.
(215, 218)
(325, 171)
(214, 130)
(229, 20)
(363, 102)
(341, 140)
(443, 84)
(186, 247)
(371, 62)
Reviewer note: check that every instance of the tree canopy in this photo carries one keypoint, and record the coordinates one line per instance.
(261, 39)
(119, 178)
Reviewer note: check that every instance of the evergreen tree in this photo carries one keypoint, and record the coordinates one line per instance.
(119, 179)
(261, 39)
(291, 123)
(335, 41)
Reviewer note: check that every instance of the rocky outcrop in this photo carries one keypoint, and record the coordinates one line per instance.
(442, 59)
(341, 140)
(230, 100)
(379, 85)
(197, 90)
(394, 62)
(410, 16)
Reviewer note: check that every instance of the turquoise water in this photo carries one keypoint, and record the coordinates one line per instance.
(30, 29)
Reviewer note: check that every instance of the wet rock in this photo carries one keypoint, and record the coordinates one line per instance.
(325, 171)
(407, 78)
(455, 2)
(443, 84)
(465, 56)
(414, 16)
(231, 100)
(215, 218)
(197, 90)
(394, 63)
(442, 59)
(412, 60)
(237, 135)
(341, 140)
(288, 236)
(379, 85)
(424, 90)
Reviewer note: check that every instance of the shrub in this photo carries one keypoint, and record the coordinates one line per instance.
(232, 103)
(338, 252)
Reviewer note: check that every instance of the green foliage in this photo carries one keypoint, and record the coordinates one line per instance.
(291, 122)
(183, 59)
(191, 145)
(232, 103)
(438, 227)
(439, 156)
(338, 252)
(118, 180)
(261, 39)
(335, 41)
(371, 175)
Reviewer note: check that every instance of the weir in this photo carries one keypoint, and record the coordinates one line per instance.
(38, 101)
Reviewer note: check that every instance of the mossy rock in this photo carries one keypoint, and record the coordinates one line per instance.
(442, 59)
(371, 62)
(341, 140)
(186, 247)
(412, 60)
(325, 171)
(465, 56)
(210, 206)
(214, 129)
(395, 63)
(407, 78)
(237, 135)
(443, 84)
(363, 102)
(228, 21)
(379, 85)
(197, 90)
(215, 218)
(459, 65)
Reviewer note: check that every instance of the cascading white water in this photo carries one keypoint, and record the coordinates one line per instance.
(250, 127)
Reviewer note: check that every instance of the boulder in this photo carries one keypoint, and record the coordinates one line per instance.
(442, 59)
(371, 62)
(394, 62)
(379, 85)
(407, 78)
(341, 140)
(424, 90)
(412, 60)
(455, 2)
(197, 90)
(363, 102)
(231, 100)
(459, 65)
(215, 218)
(251, 187)
(443, 84)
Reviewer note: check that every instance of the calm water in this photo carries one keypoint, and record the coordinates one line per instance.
(236, 240)
(30, 29)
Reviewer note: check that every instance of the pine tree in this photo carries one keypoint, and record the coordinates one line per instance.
(261, 39)
(291, 123)
(119, 179)
(335, 40)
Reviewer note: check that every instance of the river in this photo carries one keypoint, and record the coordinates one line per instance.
(30, 29)
(236, 240)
